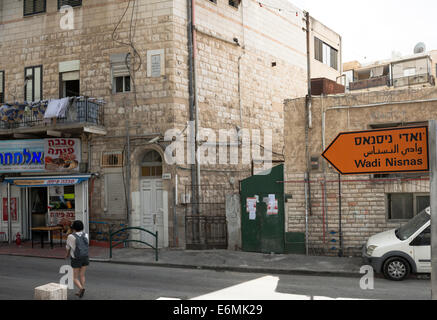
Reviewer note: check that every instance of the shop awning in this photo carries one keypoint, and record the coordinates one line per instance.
(45, 181)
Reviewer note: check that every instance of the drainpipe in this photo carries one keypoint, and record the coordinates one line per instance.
(308, 103)
(9, 215)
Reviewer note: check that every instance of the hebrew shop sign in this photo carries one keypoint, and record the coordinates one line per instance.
(40, 155)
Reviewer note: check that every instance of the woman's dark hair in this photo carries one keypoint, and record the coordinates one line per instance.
(77, 225)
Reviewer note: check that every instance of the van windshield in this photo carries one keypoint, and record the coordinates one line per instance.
(407, 230)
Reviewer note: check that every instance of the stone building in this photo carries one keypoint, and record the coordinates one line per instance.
(135, 56)
(369, 203)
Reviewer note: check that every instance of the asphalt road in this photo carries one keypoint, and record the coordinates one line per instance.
(107, 281)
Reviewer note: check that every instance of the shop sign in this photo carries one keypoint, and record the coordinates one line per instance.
(21, 156)
(46, 182)
(13, 209)
(62, 155)
(40, 155)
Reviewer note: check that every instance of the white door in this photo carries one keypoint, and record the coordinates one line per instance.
(152, 210)
(421, 246)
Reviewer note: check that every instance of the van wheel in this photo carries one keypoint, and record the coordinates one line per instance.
(396, 269)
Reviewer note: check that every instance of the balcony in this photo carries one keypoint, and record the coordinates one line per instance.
(82, 115)
(370, 83)
(414, 80)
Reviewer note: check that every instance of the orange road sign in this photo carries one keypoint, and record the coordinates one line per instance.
(380, 151)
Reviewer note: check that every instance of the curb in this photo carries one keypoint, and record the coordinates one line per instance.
(344, 274)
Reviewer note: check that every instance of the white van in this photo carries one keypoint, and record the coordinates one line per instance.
(398, 252)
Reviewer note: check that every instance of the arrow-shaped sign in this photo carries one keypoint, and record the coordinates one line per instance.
(380, 151)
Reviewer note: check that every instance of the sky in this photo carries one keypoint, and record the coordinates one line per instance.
(372, 30)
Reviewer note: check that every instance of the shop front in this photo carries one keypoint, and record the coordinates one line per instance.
(42, 186)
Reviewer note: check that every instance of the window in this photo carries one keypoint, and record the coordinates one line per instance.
(409, 72)
(120, 72)
(33, 83)
(151, 165)
(2, 86)
(404, 206)
(423, 239)
(325, 53)
(213, 1)
(69, 72)
(73, 3)
(122, 84)
(112, 159)
(234, 3)
(34, 6)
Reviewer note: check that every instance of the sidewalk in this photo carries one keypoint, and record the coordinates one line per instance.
(219, 260)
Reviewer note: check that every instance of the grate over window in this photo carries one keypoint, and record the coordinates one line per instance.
(112, 159)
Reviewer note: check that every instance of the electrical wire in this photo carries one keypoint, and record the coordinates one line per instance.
(262, 4)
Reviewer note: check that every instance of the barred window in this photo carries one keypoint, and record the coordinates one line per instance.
(73, 3)
(112, 159)
(33, 7)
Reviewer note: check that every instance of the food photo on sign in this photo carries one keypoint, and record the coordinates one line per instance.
(62, 154)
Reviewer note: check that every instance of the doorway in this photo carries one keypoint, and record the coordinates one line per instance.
(152, 204)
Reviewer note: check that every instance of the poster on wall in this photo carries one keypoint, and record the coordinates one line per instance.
(272, 205)
(62, 155)
(13, 209)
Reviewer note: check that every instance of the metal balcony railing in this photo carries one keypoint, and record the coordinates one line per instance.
(23, 115)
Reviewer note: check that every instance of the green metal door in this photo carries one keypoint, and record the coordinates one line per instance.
(263, 230)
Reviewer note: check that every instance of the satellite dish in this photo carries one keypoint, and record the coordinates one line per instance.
(420, 47)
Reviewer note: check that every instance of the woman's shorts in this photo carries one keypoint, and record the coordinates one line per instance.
(79, 262)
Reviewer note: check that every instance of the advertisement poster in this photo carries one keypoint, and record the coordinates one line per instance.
(272, 205)
(13, 209)
(251, 208)
(62, 155)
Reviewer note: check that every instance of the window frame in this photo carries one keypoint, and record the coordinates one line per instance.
(324, 53)
(114, 84)
(234, 3)
(33, 82)
(415, 211)
(33, 11)
(2, 93)
(76, 5)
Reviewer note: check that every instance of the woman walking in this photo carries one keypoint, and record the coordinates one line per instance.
(77, 249)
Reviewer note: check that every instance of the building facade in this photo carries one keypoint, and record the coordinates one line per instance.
(155, 66)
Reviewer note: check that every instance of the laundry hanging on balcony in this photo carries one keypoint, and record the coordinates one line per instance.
(57, 108)
(17, 112)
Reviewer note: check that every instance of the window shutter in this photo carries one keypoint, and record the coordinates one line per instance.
(118, 65)
(34, 6)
